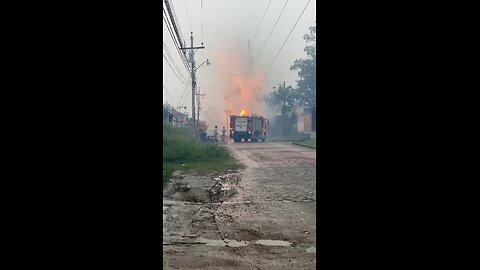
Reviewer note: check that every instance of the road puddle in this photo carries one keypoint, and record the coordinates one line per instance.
(273, 243)
(223, 243)
(234, 243)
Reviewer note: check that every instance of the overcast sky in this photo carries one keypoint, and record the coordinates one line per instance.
(227, 25)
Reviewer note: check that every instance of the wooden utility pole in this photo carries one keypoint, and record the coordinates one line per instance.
(192, 74)
(199, 95)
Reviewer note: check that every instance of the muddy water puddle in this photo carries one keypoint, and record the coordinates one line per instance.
(234, 243)
(223, 243)
(273, 243)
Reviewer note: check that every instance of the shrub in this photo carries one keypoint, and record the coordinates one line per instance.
(180, 147)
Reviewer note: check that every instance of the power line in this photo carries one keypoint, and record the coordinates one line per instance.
(227, 91)
(201, 11)
(174, 21)
(180, 101)
(174, 31)
(166, 19)
(261, 22)
(175, 42)
(283, 44)
(203, 57)
(172, 69)
(188, 16)
(272, 29)
(168, 93)
(170, 31)
(173, 62)
(181, 80)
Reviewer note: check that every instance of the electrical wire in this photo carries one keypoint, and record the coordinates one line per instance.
(173, 62)
(261, 22)
(174, 20)
(201, 11)
(182, 81)
(301, 14)
(184, 91)
(168, 93)
(286, 2)
(175, 42)
(227, 91)
(182, 57)
(188, 16)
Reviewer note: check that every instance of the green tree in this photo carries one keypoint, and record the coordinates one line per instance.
(283, 98)
(307, 84)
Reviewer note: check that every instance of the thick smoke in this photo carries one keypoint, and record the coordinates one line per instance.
(240, 84)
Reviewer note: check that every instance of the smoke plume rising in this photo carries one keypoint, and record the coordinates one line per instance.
(239, 87)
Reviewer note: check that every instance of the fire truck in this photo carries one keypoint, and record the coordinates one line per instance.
(248, 127)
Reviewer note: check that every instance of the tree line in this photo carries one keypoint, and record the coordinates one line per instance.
(285, 98)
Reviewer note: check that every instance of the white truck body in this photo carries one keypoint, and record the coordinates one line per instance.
(241, 124)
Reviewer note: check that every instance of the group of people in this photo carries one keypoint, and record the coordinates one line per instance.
(224, 134)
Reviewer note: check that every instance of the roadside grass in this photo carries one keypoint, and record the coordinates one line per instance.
(182, 153)
(299, 137)
(309, 143)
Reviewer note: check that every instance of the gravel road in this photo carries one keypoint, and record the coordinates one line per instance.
(262, 217)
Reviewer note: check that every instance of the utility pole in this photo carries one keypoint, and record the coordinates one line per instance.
(192, 64)
(193, 70)
(199, 95)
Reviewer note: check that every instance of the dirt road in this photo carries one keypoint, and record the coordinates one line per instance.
(262, 217)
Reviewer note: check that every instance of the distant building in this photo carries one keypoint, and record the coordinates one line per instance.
(173, 117)
(306, 121)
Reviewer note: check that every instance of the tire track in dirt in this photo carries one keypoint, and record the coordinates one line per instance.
(244, 252)
(243, 225)
(264, 164)
(226, 233)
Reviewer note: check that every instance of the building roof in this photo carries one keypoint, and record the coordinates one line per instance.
(171, 110)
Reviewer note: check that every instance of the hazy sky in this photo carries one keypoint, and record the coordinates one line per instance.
(227, 26)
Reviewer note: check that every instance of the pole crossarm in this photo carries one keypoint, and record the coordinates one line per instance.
(189, 48)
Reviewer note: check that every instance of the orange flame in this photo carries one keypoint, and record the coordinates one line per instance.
(244, 112)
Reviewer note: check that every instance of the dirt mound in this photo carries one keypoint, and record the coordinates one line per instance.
(214, 188)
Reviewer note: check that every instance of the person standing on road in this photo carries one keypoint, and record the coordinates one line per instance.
(215, 134)
(224, 134)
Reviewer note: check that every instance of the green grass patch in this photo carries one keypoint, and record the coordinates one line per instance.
(181, 152)
(309, 143)
(168, 170)
(299, 137)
